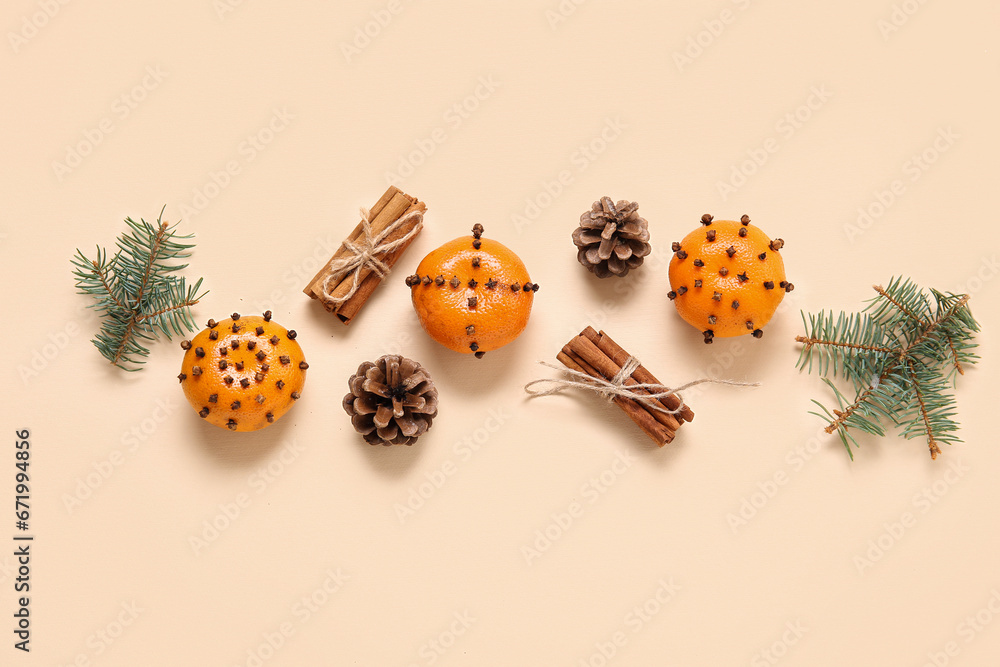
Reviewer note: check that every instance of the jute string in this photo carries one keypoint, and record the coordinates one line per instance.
(367, 253)
(646, 393)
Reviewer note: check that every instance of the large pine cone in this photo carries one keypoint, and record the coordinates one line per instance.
(612, 238)
(392, 401)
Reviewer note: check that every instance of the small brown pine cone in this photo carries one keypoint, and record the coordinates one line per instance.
(612, 238)
(392, 401)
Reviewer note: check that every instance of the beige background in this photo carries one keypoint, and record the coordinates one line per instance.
(174, 92)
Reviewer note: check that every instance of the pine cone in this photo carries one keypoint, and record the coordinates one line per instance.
(392, 401)
(612, 238)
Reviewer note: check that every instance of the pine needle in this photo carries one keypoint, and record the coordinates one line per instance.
(902, 354)
(138, 291)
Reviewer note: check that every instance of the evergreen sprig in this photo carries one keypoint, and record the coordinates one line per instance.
(902, 355)
(138, 291)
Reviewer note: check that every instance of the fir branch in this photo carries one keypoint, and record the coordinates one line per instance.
(896, 302)
(892, 353)
(138, 291)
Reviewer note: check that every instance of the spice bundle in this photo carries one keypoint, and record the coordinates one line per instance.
(600, 357)
(346, 282)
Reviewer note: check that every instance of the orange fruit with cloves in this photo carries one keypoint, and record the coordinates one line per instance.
(243, 373)
(727, 278)
(472, 294)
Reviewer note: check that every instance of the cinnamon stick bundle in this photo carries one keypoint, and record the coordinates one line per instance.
(392, 206)
(597, 355)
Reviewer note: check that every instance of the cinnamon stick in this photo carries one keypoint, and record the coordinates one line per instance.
(618, 355)
(586, 350)
(642, 418)
(393, 205)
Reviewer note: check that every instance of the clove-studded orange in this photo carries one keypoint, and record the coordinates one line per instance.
(727, 278)
(243, 373)
(472, 294)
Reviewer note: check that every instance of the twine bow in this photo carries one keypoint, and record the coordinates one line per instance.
(646, 393)
(367, 253)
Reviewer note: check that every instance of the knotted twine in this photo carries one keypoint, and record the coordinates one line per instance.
(367, 253)
(648, 394)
